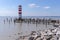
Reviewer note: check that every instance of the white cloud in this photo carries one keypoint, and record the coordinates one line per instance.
(46, 7)
(33, 5)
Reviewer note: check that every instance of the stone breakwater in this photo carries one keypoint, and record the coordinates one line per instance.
(37, 20)
(50, 34)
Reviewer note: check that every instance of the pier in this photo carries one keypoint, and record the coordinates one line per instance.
(38, 21)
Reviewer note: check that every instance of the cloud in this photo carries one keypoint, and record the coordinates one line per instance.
(33, 5)
(46, 7)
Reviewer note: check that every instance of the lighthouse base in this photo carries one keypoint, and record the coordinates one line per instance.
(18, 20)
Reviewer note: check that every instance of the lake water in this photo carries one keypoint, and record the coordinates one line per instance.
(11, 31)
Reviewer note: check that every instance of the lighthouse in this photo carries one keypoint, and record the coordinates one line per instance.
(20, 11)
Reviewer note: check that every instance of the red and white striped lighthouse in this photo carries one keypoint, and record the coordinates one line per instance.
(20, 11)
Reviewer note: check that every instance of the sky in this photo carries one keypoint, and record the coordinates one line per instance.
(30, 7)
